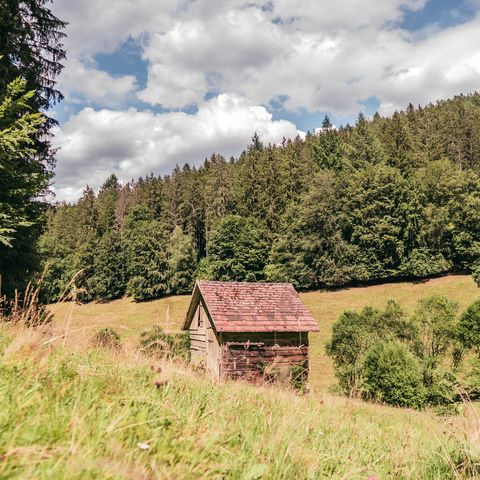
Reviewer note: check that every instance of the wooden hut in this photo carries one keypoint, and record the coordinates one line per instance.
(242, 330)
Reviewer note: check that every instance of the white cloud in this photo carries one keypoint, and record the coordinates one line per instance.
(323, 57)
(87, 84)
(132, 143)
(316, 55)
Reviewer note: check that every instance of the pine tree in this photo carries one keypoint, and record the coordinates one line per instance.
(106, 204)
(327, 147)
(364, 148)
(22, 181)
(182, 261)
(108, 279)
(146, 256)
(237, 250)
(31, 48)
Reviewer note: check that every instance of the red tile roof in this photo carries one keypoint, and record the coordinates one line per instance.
(252, 307)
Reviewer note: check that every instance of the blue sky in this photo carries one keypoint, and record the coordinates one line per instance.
(171, 81)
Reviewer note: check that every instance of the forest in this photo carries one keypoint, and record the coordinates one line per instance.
(388, 198)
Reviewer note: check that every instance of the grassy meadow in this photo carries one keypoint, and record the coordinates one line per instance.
(130, 318)
(98, 415)
(72, 411)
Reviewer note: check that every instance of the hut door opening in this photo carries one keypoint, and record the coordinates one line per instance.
(213, 363)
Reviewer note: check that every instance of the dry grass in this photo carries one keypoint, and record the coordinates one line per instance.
(77, 412)
(96, 414)
(130, 318)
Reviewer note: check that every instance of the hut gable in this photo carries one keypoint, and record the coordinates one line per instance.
(251, 307)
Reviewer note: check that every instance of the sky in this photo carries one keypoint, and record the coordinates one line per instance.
(149, 84)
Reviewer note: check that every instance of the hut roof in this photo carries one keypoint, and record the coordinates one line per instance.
(251, 307)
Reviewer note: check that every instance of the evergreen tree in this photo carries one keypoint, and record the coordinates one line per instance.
(327, 147)
(402, 203)
(237, 250)
(108, 279)
(182, 262)
(217, 191)
(30, 50)
(364, 148)
(146, 256)
(310, 249)
(106, 204)
(22, 181)
(381, 212)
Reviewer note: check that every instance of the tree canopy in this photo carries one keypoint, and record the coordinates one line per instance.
(388, 198)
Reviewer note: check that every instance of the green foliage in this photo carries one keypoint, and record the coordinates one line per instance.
(392, 375)
(146, 257)
(327, 150)
(471, 382)
(30, 56)
(237, 250)
(108, 280)
(182, 262)
(156, 342)
(476, 273)
(107, 338)
(436, 322)
(299, 377)
(353, 335)
(469, 328)
(22, 179)
(389, 198)
(398, 360)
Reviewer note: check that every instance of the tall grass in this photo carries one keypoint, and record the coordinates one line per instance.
(25, 307)
(97, 414)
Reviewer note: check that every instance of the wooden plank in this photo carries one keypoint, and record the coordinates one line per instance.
(197, 336)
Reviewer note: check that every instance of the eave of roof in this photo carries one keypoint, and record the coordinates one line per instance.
(248, 307)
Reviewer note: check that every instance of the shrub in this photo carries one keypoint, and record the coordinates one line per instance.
(298, 377)
(476, 273)
(442, 390)
(392, 375)
(436, 322)
(355, 332)
(156, 342)
(107, 338)
(469, 328)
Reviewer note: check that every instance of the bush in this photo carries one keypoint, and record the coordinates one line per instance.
(156, 342)
(476, 273)
(442, 390)
(393, 375)
(299, 377)
(469, 328)
(435, 320)
(107, 338)
(355, 332)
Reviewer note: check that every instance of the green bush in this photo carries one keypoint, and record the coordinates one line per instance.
(355, 332)
(299, 377)
(476, 273)
(442, 390)
(393, 375)
(471, 384)
(469, 328)
(107, 338)
(156, 342)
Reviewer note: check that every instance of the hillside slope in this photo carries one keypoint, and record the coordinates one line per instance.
(131, 318)
(98, 415)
